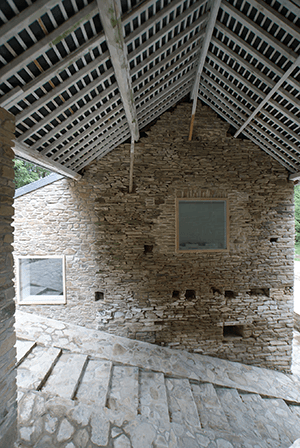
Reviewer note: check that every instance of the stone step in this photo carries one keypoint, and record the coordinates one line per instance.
(123, 396)
(23, 349)
(153, 399)
(237, 413)
(66, 375)
(264, 420)
(94, 385)
(34, 370)
(295, 408)
(182, 407)
(288, 423)
(209, 407)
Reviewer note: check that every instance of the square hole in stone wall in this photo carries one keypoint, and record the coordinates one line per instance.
(176, 294)
(230, 294)
(148, 249)
(190, 294)
(233, 331)
(99, 295)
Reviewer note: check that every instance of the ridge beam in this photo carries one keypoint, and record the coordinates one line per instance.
(110, 14)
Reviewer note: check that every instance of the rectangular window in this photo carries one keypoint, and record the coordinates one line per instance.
(202, 225)
(41, 280)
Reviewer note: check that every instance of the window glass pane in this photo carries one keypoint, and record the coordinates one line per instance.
(202, 225)
(40, 277)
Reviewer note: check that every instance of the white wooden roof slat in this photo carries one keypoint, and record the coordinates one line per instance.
(260, 32)
(136, 96)
(70, 82)
(118, 135)
(252, 52)
(241, 93)
(70, 120)
(25, 18)
(242, 80)
(89, 134)
(294, 154)
(77, 97)
(276, 18)
(270, 94)
(273, 151)
(48, 42)
(263, 79)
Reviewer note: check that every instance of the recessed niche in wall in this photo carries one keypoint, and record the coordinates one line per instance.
(99, 295)
(230, 294)
(41, 280)
(260, 292)
(176, 294)
(190, 294)
(233, 331)
(148, 249)
(273, 240)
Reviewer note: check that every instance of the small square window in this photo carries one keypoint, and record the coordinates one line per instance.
(202, 225)
(41, 280)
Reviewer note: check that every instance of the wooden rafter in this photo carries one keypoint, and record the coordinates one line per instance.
(27, 153)
(208, 34)
(110, 13)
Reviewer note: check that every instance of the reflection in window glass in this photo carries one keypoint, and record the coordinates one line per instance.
(41, 280)
(202, 225)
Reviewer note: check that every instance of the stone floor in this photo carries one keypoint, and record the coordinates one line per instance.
(80, 388)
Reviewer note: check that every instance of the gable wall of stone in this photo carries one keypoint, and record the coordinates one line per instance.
(103, 230)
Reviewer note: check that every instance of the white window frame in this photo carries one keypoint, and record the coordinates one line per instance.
(41, 299)
(225, 200)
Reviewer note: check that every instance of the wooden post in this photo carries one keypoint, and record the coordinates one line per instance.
(131, 164)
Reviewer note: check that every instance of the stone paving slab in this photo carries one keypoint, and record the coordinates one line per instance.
(154, 401)
(182, 406)
(94, 386)
(265, 420)
(23, 348)
(35, 368)
(209, 407)
(123, 396)
(237, 414)
(287, 421)
(66, 374)
(170, 362)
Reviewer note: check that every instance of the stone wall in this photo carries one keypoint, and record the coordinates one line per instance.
(123, 273)
(8, 398)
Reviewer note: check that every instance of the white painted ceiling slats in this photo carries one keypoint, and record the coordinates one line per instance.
(57, 75)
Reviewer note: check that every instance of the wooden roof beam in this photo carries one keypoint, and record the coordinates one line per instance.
(27, 153)
(294, 177)
(208, 34)
(110, 14)
(270, 94)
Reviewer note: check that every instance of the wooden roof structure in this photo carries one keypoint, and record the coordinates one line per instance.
(83, 76)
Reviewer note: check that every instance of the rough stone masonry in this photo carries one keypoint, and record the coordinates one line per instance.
(8, 393)
(123, 273)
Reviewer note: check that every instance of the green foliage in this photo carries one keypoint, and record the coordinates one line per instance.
(26, 172)
(297, 212)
